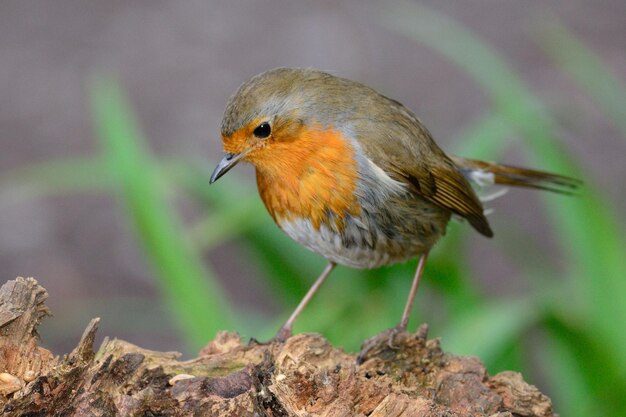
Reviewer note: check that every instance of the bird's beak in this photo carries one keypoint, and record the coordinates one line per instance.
(228, 161)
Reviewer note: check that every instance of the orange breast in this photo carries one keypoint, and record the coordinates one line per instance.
(311, 175)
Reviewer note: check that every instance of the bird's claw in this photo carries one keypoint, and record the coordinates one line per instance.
(393, 332)
(379, 343)
(279, 338)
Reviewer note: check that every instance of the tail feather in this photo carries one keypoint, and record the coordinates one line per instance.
(516, 176)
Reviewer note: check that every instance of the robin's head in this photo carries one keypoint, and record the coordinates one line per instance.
(271, 112)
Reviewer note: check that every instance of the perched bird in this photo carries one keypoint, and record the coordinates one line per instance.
(353, 175)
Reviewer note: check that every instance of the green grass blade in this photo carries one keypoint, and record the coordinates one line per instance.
(221, 226)
(566, 382)
(191, 290)
(289, 268)
(489, 330)
(586, 68)
(226, 223)
(446, 273)
(60, 176)
(486, 137)
(588, 368)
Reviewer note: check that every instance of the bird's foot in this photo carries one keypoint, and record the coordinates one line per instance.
(393, 332)
(382, 343)
(279, 338)
(389, 342)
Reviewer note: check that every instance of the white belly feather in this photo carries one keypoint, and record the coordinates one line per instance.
(329, 244)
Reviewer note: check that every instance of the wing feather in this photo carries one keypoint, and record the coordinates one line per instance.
(407, 153)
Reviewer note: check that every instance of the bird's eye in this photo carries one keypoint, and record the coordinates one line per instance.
(263, 130)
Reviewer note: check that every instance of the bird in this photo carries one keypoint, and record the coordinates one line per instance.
(353, 175)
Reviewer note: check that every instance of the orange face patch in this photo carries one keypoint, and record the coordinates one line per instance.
(242, 140)
(307, 173)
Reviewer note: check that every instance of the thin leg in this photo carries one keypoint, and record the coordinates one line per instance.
(286, 330)
(386, 339)
(409, 302)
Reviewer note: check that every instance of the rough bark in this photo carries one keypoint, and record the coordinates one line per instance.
(304, 376)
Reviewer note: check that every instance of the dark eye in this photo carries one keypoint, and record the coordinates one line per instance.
(263, 130)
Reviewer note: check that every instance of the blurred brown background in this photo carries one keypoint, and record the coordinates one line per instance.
(180, 61)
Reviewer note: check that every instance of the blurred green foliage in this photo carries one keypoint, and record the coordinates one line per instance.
(567, 331)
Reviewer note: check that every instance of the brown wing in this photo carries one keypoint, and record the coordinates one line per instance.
(393, 138)
(445, 186)
(397, 142)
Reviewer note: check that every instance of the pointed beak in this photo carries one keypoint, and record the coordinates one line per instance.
(228, 161)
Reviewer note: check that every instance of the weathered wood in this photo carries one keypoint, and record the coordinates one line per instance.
(304, 376)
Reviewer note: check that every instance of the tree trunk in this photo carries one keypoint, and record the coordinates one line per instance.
(305, 376)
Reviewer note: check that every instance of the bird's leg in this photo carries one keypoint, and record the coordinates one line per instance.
(286, 330)
(409, 301)
(404, 321)
(385, 340)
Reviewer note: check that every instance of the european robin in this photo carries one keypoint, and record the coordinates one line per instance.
(353, 175)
